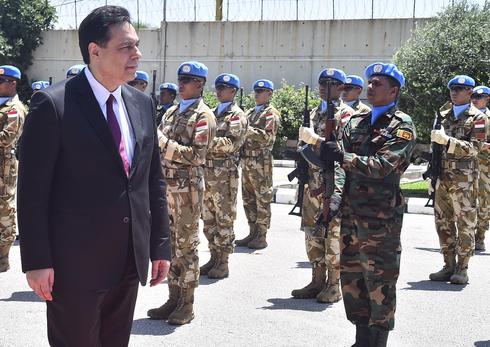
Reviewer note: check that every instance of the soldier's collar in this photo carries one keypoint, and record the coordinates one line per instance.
(4, 99)
(188, 104)
(378, 111)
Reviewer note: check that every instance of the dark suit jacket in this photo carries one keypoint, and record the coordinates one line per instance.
(78, 212)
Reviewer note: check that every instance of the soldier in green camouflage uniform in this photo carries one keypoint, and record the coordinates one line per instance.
(263, 123)
(377, 147)
(352, 91)
(322, 246)
(221, 177)
(456, 189)
(12, 115)
(480, 99)
(185, 134)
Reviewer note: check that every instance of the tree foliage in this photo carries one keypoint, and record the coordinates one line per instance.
(456, 41)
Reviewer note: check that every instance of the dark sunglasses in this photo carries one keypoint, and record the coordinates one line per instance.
(223, 87)
(332, 83)
(260, 90)
(479, 96)
(458, 88)
(5, 80)
(186, 79)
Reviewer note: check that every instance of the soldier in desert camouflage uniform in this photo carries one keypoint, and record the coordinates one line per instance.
(322, 246)
(352, 91)
(263, 123)
(185, 134)
(377, 147)
(456, 190)
(12, 115)
(480, 99)
(221, 177)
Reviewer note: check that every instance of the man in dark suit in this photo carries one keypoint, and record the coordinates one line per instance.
(92, 208)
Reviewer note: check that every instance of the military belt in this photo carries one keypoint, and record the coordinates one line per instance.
(460, 164)
(183, 173)
(228, 162)
(256, 153)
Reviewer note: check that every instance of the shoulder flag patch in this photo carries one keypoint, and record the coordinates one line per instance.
(407, 135)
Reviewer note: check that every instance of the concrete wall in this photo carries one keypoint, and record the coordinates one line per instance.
(292, 50)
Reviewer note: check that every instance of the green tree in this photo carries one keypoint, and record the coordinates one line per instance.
(21, 25)
(456, 41)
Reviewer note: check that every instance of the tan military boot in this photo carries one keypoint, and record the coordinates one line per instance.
(184, 312)
(244, 242)
(167, 308)
(220, 269)
(447, 270)
(460, 275)
(259, 241)
(204, 270)
(315, 286)
(4, 258)
(331, 293)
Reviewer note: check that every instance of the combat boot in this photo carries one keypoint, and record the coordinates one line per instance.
(220, 268)
(204, 270)
(331, 293)
(4, 258)
(479, 245)
(167, 308)
(315, 286)
(362, 336)
(460, 275)
(378, 337)
(259, 241)
(184, 312)
(244, 242)
(447, 270)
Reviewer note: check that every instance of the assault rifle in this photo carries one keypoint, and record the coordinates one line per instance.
(435, 165)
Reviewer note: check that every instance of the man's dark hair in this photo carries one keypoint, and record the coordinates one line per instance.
(96, 27)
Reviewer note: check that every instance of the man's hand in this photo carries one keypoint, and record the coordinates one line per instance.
(162, 140)
(308, 135)
(159, 270)
(330, 151)
(439, 136)
(41, 282)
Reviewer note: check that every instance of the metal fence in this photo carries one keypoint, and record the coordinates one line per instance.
(150, 13)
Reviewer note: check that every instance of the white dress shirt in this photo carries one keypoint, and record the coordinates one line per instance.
(102, 94)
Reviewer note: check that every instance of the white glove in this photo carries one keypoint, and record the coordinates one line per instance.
(431, 189)
(162, 140)
(439, 136)
(308, 135)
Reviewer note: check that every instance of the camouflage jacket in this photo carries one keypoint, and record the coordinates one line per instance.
(484, 122)
(230, 135)
(261, 131)
(375, 158)
(189, 136)
(361, 107)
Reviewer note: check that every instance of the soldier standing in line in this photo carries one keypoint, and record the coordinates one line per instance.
(12, 115)
(322, 245)
(480, 99)
(352, 92)
(185, 135)
(263, 123)
(168, 93)
(140, 81)
(221, 177)
(456, 191)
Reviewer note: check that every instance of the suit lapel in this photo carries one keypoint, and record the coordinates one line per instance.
(135, 118)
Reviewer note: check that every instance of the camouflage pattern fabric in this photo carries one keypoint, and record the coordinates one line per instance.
(221, 179)
(361, 107)
(257, 166)
(372, 214)
(456, 198)
(12, 115)
(189, 136)
(483, 211)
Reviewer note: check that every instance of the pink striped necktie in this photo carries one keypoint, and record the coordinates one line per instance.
(116, 133)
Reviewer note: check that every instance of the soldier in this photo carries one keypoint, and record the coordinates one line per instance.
(352, 91)
(39, 85)
(12, 115)
(74, 70)
(480, 99)
(322, 246)
(263, 123)
(455, 194)
(185, 134)
(221, 177)
(168, 93)
(140, 81)
(376, 151)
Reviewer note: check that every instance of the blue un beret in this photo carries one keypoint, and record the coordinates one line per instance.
(228, 79)
(461, 80)
(331, 73)
(10, 71)
(40, 85)
(261, 84)
(481, 90)
(142, 76)
(354, 80)
(74, 70)
(169, 86)
(193, 68)
(382, 69)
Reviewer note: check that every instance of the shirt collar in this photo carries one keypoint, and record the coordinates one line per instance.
(378, 111)
(350, 103)
(4, 99)
(459, 109)
(324, 105)
(258, 108)
(223, 106)
(184, 104)
(100, 92)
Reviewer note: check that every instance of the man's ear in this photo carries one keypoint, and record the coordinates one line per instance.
(93, 50)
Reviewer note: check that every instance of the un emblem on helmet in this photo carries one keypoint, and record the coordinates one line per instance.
(261, 84)
(226, 78)
(480, 91)
(186, 69)
(461, 80)
(330, 72)
(2, 71)
(349, 80)
(378, 68)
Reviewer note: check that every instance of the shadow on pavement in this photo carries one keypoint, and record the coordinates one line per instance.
(302, 265)
(482, 343)
(479, 253)
(245, 250)
(146, 326)
(435, 250)
(296, 305)
(23, 297)
(429, 285)
(205, 280)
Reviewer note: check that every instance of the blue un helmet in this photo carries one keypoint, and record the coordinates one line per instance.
(461, 80)
(263, 84)
(141, 76)
(193, 69)
(39, 85)
(10, 71)
(385, 69)
(169, 86)
(354, 80)
(74, 70)
(228, 79)
(332, 74)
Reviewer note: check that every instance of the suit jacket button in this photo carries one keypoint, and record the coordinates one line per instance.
(126, 220)
(130, 188)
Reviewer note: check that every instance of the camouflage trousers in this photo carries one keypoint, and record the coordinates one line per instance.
(185, 197)
(7, 227)
(219, 208)
(369, 268)
(483, 211)
(455, 217)
(257, 191)
(321, 247)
